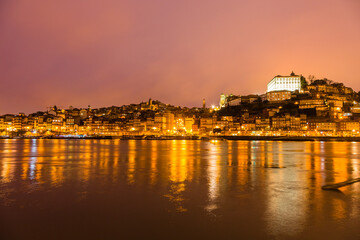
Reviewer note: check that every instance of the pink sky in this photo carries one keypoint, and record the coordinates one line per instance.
(114, 52)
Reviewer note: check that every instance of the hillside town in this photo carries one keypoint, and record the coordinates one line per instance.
(292, 106)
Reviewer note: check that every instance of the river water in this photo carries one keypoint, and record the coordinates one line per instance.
(177, 189)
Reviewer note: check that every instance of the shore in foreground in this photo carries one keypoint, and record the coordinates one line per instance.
(206, 138)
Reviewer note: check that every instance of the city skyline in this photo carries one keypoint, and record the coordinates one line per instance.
(121, 52)
(290, 108)
(212, 104)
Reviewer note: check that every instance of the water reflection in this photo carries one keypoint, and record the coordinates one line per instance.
(214, 174)
(277, 183)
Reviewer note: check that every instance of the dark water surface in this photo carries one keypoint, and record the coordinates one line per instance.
(112, 189)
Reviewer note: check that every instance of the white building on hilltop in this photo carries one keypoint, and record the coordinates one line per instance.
(288, 83)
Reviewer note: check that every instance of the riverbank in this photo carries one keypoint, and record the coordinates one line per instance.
(205, 138)
(292, 138)
(125, 137)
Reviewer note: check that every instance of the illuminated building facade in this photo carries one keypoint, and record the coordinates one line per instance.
(223, 101)
(278, 96)
(289, 83)
(349, 126)
(169, 121)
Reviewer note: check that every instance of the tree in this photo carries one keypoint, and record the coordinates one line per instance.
(303, 83)
(311, 78)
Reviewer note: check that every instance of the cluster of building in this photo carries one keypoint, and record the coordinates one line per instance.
(291, 106)
(146, 118)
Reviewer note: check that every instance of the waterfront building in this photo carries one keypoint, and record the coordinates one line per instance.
(97, 126)
(159, 122)
(289, 83)
(70, 123)
(278, 123)
(248, 126)
(48, 124)
(322, 126)
(349, 126)
(287, 122)
(2, 124)
(169, 121)
(189, 122)
(17, 123)
(150, 124)
(206, 124)
(57, 124)
(262, 123)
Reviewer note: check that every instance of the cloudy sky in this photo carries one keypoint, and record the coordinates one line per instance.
(116, 52)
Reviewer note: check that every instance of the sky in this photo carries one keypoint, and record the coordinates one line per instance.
(115, 52)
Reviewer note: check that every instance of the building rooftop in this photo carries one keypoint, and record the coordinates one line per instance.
(292, 74)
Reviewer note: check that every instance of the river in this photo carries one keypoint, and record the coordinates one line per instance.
(177, 189)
